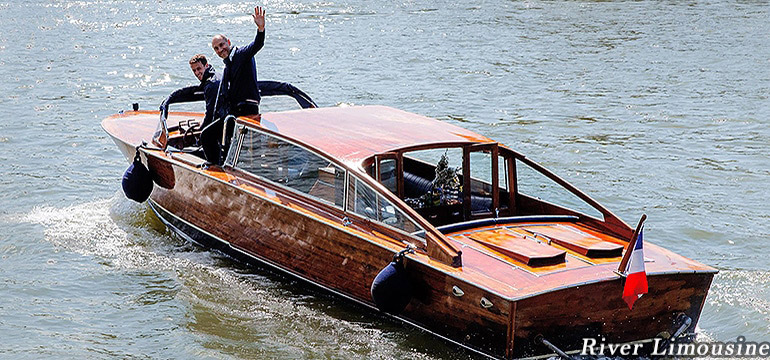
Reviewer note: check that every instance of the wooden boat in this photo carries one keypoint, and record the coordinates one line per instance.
(331, 195)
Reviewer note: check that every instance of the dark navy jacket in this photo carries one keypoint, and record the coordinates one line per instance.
(207, 90)
(240, 78)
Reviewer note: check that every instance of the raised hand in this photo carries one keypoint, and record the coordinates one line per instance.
(259, 18)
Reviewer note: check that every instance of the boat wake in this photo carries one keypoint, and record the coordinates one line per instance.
(230, 309)
(113, 229)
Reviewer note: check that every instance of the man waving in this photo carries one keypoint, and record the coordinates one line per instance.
(240, 75)
(239, 85)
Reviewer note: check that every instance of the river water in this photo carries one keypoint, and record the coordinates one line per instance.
(656, 107)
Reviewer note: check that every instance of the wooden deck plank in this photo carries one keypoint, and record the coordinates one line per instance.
(528, 251)
(576, 240)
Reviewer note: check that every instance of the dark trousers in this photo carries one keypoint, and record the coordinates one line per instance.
(211, 136)
(248, 107)
(211, 140)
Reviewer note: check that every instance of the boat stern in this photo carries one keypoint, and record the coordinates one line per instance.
(597, 311)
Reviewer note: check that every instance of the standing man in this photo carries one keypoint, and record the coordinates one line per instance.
(240, 74)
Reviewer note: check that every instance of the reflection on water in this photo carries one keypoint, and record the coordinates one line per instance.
(649, 107)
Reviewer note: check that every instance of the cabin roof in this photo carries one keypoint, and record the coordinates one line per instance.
(359, 132)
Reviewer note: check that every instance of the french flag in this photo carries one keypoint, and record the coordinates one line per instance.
(636, 276)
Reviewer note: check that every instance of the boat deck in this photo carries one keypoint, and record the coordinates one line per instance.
(513, 261)
(523, 259)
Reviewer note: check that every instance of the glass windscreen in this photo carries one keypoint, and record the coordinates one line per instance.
(433, 177)
(536, 185)
(365, 201)
(290, 165)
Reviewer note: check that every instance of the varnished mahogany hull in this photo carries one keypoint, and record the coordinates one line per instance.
(252, 229)
(225, 217)
(588, 311)
(470, 286)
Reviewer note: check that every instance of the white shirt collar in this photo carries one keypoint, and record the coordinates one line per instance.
(232, 50)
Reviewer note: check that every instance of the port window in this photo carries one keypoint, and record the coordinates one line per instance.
(388, 174)
(365, 201)
(481, 181)
(502, 173)
(291, 165)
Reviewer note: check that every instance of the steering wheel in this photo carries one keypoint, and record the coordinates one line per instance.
(190, 132)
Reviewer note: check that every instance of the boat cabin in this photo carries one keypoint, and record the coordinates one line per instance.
(405, 171)
(503, 249)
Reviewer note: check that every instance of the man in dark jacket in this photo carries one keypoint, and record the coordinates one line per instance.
(239, 81)
(207, 90)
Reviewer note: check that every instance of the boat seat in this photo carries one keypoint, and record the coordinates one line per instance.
(415, 185)
(481, 203)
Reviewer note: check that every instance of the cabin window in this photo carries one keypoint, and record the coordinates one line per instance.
(365, 201)
(502, 173)
(502, 182)
(534, 184)
(291, 165)
(388, 174)
(422, 188)
(481, 181)
(234, 147)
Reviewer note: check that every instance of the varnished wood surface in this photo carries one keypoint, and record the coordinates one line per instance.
(358, 132)
(492, 273)
(340, 259)
(309, 239)
(496, 274)
(347, 260)
(521, 248)
(576, 240)
(133, 127)
(347, 133)
(529, 280)
(591, 311)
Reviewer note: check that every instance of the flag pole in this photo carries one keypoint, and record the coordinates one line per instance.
(630, 246)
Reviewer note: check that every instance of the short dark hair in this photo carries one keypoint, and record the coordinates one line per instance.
(199, 58)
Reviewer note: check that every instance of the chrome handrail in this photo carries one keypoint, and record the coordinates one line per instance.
(160, 137)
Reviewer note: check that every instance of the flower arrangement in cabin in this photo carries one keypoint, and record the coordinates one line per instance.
(446, 188)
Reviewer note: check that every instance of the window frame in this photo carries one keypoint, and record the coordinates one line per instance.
(349, 181)
(241, 131)
(378, 159)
